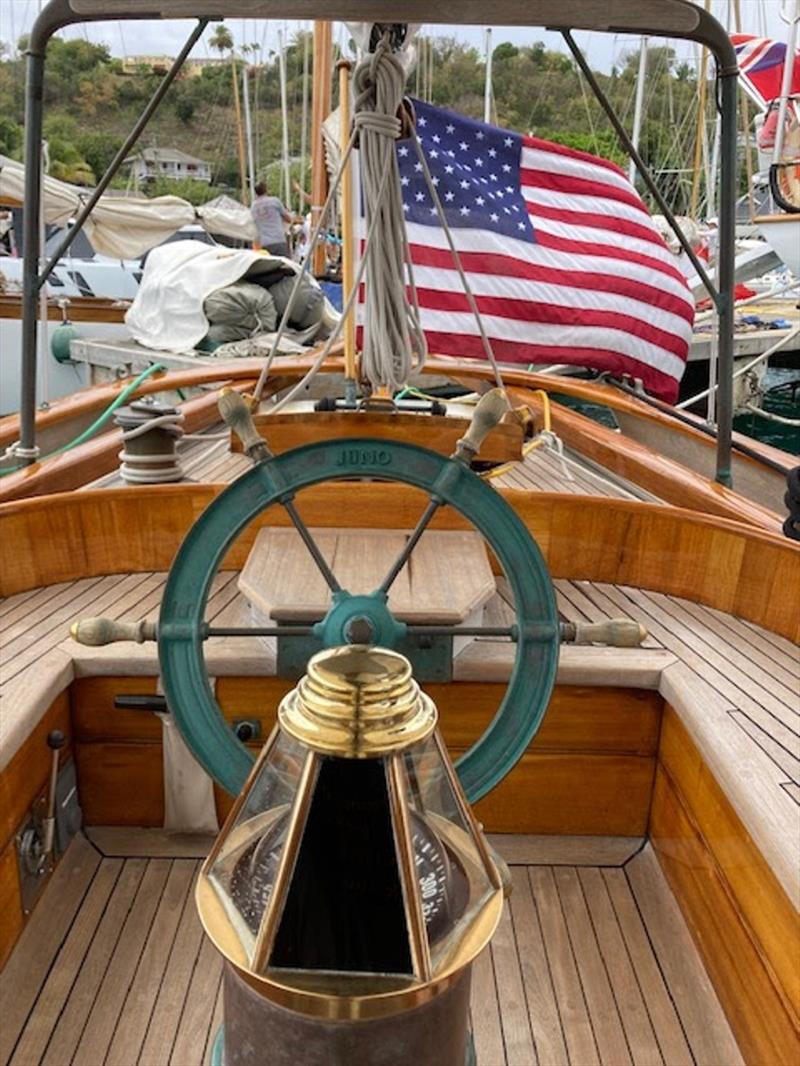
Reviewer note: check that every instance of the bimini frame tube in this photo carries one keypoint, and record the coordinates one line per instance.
(121, 155)
(52, 18)
(654, 18)
(722, 293)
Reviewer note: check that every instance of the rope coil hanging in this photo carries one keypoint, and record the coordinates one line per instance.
(393, 343)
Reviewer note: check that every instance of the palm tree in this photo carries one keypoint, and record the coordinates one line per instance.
(221, 40)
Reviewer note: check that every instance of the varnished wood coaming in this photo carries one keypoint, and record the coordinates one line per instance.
(741, 919)
(98, 456)
(608, 736)
(669, 479)
(665, 478)
(79, 308)
(733, 567)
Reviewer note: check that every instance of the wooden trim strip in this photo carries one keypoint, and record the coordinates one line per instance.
(735, 568)
(658, 475)
(98, 396)
(756, 1008)
(763, 905)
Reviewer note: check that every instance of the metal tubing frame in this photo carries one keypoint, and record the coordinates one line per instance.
(639, 163)
(55, 16)
(119, 158)
(722, 296)
(705, 29)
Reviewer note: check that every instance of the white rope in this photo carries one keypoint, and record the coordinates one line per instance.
(394, 343)
(771, 416)
(392, 332)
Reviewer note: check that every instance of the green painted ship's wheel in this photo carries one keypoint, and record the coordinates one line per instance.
(358, 618)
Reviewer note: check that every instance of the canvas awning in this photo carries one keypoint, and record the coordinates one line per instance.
(125, 227)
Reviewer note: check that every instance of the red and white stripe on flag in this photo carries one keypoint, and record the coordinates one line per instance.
(595, 287)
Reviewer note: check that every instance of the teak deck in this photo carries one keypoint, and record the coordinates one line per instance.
(592, 963)
(754, 673)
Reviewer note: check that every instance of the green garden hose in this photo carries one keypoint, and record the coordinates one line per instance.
(98, 422)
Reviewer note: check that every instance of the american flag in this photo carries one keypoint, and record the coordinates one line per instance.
(761, 63)
(561, 254)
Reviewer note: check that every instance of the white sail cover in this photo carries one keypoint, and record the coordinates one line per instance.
(125, 227)
(168, 314)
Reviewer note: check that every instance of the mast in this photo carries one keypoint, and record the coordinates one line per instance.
(700, 133)
(344, 66)
(304, 125)
(792, 16)
(320, 109)
(239, 132)
(287, 184)
(487, 89)
(248, 129)
(638, 106)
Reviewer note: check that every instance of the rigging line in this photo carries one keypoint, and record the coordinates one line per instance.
(323, 355)
(487, 346)
(307, 260)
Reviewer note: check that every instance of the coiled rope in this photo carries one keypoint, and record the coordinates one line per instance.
(393, 343)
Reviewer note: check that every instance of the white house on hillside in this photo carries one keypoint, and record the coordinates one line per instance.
(153, 163)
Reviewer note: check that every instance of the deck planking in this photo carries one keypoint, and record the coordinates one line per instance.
(755, 672)
(589, 964)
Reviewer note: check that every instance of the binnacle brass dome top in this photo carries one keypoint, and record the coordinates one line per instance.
(358, 702)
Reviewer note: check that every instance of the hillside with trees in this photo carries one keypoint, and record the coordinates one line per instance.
(92, 99)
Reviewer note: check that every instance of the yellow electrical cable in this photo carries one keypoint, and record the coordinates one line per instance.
(537, 441)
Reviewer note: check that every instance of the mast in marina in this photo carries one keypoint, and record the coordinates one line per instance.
(320, 109)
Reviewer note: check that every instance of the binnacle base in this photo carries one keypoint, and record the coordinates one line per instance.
(257, 1032)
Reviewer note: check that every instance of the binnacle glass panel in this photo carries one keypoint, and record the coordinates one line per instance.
(453, 880)
(243, 872)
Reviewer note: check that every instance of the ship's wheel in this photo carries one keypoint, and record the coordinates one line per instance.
(358, 619)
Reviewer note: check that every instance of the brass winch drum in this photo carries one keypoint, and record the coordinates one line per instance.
(351, 888)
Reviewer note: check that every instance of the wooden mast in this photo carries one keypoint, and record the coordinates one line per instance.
(240, 132)
(320, 109)
(700, 130)
(344, 67)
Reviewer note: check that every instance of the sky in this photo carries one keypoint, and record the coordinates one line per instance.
(166, 38)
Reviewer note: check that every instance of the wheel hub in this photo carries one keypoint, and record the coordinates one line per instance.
(359, 619)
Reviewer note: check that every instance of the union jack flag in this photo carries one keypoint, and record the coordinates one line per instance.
(761, 65)
(561, 254)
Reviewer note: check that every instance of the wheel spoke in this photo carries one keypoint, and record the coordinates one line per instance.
(313, 547)
(411, 543)
(463, 631)
(258, 631)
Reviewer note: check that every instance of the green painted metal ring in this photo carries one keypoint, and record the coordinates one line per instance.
(180, 627)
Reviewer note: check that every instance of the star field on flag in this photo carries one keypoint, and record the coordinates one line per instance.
(476, 172)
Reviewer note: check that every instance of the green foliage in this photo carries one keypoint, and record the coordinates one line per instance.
(184, 109)
(91, 105)
(10, 138)
(221, 39)
(196, 192)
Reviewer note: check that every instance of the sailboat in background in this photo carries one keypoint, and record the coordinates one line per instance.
(770, 73)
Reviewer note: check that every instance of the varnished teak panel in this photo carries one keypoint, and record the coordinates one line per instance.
(11, 919)
(27, 773)
(578, 718)
(763, 904)
(744, 980)
(731, 567)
